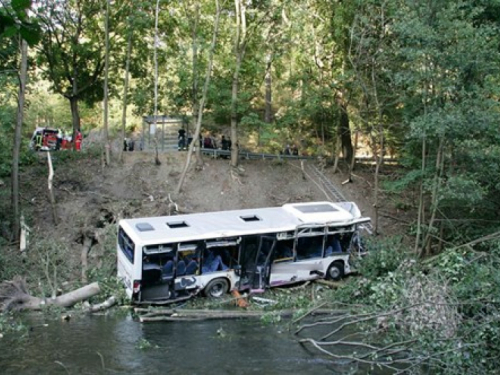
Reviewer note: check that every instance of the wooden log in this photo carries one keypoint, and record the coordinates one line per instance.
(15, 296)
(111, 301)
(71, 298)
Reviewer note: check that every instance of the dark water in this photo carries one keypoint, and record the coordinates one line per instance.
(111, 345)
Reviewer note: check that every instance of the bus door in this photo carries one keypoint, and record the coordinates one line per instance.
(263, 264)
(255, 260)
(158, 271)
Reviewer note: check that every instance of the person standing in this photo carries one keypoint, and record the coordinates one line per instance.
(38, 140)
(59, 139)
(181, 139)
(131, 144)
(78, 140)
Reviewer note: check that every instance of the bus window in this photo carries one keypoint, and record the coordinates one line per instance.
(333, 244)
(284, 251)
(126, 245)
(225, 249)
(309, 247)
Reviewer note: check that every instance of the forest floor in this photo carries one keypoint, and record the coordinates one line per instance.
(89, 196)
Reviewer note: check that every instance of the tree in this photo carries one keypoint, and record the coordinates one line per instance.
(201, 105)
(450, 107)
(106, 85)
(71, 53)
(15, 22)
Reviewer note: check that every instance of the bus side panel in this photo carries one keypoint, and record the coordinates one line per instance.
(291, 272)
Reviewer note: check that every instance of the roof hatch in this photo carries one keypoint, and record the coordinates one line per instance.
(249, 218)
(144, 227)
(177, 224)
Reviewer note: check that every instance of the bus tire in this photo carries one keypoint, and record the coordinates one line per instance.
(216, 288)
(335, 271)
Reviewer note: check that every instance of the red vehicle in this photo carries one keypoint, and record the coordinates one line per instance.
(49, 139)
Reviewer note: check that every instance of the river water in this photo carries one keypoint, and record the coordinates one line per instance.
(112, 344)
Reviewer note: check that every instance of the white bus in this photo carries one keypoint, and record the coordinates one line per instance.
(174, 257)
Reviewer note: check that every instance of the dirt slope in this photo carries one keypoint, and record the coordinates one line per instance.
(86, 193)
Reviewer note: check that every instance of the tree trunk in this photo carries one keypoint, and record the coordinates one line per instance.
(106, 93)
(378, 162)
(268, 114)
(155, 58)
(51, 189)
(202, 102)
(338, 146)
(239, 51)
(125, 90)
(421, 205)
(345, 133)
(75, 117)
(436, 186)
(234, 114)
(16, 210)
(101, 306)
(194, 93)
(352, 165)
(15, 296)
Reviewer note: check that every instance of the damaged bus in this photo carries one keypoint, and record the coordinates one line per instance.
(174, 257)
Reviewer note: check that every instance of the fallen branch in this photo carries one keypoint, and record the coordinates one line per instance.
(111, 301)
(150, 315)
(308, 313)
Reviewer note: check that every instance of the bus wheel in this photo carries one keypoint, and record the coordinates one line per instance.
(335, 271)
(216, 288)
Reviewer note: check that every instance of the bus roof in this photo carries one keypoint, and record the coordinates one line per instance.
(192, 227)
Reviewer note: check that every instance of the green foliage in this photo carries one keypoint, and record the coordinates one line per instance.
(14, 20)
(12, 326)
(144, 344)
(271, 317)
(449, 302)
(385, 255)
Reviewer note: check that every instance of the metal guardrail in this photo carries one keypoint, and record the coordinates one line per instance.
(171, 146)
(216, 152)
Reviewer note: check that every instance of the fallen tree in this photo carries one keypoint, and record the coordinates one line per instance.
(14, 295)
(156, 315)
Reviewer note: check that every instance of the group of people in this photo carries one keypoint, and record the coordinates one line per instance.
(208, 141)
(128, 144)
(291, 150)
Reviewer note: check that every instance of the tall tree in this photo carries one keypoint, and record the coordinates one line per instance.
(71, 54)
(16, 24)
(106, 85)
(239, 53)
(201, 105)
(447, 64)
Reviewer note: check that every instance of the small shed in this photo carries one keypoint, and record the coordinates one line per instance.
(162, 129)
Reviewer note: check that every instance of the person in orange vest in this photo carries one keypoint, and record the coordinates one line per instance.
(78, 140)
